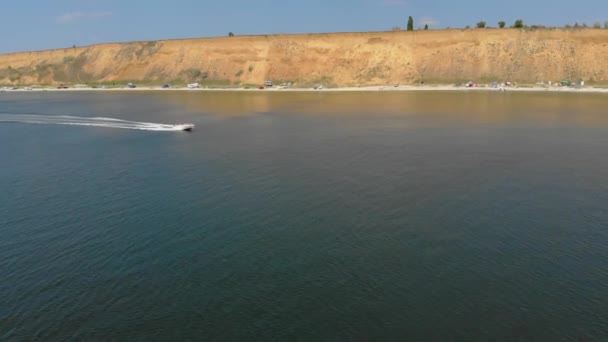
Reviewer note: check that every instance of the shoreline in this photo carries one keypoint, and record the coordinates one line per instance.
(339, 89)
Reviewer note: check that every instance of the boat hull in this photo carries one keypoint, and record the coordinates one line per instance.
(185, 127)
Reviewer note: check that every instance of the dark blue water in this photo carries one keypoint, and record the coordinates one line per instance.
(306, 217)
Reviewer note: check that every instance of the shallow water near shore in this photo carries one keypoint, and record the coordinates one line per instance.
(431, 216)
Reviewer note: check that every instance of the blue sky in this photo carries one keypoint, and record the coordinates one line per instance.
(42, 24)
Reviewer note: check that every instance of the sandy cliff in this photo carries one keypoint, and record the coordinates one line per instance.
(340, 59)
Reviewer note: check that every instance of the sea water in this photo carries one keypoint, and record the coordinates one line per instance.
(412, 216)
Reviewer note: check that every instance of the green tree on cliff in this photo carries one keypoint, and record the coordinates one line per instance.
(501, 24)
(410, 24)
(518, 23)
(481, 24)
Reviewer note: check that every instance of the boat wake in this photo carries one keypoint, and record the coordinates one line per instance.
(87, 121)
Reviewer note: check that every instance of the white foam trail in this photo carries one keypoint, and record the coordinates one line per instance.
(86, 121)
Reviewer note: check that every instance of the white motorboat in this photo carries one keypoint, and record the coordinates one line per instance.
(185, 127)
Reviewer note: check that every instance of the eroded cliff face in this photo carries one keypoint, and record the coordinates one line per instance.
(339, 59)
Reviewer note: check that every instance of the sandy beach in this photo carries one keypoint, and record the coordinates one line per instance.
(339, 89)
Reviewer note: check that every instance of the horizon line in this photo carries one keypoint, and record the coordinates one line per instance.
(526, 28)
